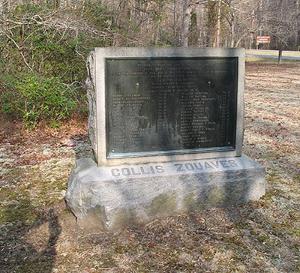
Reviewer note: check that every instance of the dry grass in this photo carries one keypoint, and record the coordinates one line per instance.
(37, 233)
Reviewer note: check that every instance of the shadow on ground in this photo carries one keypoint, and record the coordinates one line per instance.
(17, 255)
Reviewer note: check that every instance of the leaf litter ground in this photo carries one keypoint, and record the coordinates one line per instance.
(38, 233)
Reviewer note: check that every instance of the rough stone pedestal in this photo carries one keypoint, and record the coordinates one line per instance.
(111, 197)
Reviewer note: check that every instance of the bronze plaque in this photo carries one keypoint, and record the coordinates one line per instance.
(170, 104)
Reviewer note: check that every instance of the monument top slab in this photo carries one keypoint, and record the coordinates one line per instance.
(162, 104)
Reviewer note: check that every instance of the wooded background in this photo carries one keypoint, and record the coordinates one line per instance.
(44, 44)
(200, 23)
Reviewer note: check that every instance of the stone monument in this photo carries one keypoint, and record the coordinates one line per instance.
(166, 126)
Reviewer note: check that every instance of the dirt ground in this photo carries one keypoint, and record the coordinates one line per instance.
(38, 234)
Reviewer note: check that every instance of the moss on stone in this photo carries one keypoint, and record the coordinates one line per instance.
(193, 203)
(190, 202)
(216, 196)
(164, 204)
(123, 217)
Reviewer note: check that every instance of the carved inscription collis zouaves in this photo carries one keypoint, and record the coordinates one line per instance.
(179, 167)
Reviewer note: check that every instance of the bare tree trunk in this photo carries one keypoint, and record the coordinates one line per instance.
(218, 28)
(279, 55)
(252, 29)
(240, 39)
(186, 21)
(297, 34)
(175, 41)
(232, 31)
(200, 24)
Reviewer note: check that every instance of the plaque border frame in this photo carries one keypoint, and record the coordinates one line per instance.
(101, 54)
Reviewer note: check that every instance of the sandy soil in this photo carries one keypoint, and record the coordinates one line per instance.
(38, 234)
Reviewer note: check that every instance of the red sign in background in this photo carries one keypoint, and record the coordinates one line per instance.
(263, 39)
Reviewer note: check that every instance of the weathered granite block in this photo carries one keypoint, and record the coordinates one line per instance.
(111, 197)
(91, 95)
(166, 127)
(156, 104)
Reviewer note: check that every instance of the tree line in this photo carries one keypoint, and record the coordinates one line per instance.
(197, 23)
(44, 43)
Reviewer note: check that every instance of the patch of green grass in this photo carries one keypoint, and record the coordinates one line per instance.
(267, 60)
(21, 202)
(272, 176)
(297, 178)
(17, 209)
(273, 52)
(295, 231)
(163, 204)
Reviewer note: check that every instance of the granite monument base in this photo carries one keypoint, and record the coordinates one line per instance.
(111, 197)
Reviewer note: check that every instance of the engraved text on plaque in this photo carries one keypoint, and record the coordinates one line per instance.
(170, 104)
